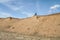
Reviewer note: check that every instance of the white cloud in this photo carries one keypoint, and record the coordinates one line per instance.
(15, 6)
(18, 7)
(54, 8)
(6, 3)
(3, 14)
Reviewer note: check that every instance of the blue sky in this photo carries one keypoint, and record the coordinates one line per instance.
(27, 8)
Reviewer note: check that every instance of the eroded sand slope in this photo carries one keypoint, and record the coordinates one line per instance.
(37, 25)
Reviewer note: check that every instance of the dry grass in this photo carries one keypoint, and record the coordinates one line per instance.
(15, 36)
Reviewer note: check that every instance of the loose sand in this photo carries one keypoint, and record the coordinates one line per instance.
(48, 25)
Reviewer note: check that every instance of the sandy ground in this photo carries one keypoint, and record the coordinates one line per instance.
(48, 25)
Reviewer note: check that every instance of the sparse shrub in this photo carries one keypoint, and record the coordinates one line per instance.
(8, 26)
(58, 24)
(35, 33)
(13, 27)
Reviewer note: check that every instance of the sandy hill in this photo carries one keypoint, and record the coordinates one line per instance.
(48, 25)
(6, 23)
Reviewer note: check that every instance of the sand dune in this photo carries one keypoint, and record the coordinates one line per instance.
(48, 25)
